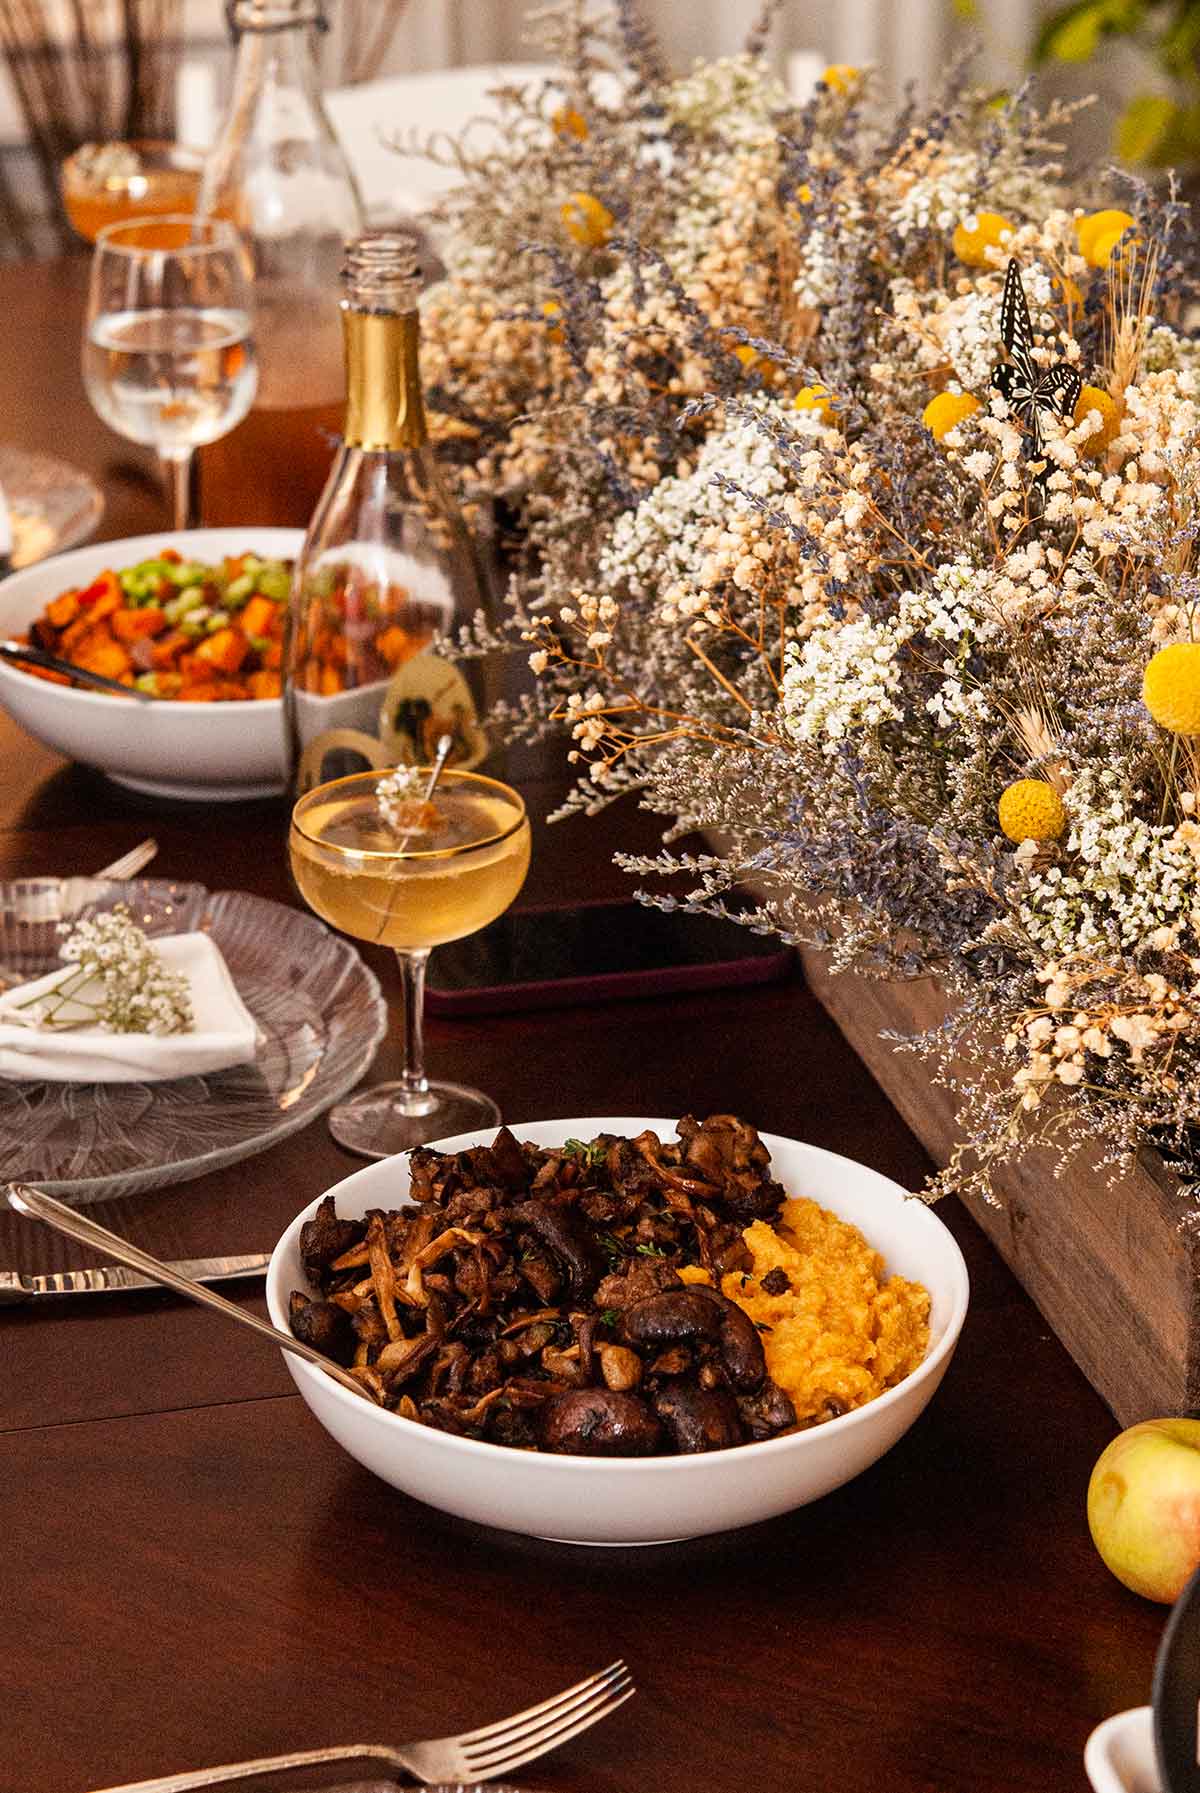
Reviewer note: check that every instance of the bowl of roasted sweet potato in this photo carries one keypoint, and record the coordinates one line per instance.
(195, 621)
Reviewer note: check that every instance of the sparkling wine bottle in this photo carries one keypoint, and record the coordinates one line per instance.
(277, 171)
(388, 570)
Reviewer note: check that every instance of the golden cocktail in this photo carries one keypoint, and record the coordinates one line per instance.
(410, 875)
(107, 183)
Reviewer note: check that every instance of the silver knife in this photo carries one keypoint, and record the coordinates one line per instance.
(114, 1278)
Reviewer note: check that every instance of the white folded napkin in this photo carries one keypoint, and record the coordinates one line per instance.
(224, 1031)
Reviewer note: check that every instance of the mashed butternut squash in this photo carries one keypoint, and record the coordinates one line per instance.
(835, 1329)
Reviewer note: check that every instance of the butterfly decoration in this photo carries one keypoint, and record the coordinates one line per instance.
(1029, 389)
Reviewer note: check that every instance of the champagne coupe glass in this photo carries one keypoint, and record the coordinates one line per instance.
(436, 872)
(168, 354)
(107, 183)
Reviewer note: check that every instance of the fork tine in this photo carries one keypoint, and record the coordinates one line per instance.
(527, 1750)
(504, 1726)
(550, 1723)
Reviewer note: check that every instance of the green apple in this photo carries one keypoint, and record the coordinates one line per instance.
(1143, 1506)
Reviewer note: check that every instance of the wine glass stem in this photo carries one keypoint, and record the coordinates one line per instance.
(180, 471)
(414, 1085)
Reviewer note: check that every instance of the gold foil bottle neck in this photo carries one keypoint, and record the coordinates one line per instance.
(382, 277)
(384, 408)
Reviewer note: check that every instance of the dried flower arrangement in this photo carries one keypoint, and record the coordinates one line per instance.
(859, 461)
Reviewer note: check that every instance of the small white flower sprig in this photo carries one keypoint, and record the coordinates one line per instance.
(395, 795)
(119, 984)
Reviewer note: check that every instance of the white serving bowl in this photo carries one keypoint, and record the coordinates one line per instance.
(658, 1499)
(193, 750)
(1119, 1756)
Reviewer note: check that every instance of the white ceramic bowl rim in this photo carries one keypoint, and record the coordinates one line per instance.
(687, 1464)
(123, 555)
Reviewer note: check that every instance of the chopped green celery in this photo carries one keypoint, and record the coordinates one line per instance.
(147, 681)
(220, 619)
(274, 581)
(194, 624)
(188, 572)
(190, 599)
(259, 643)
(239, 589)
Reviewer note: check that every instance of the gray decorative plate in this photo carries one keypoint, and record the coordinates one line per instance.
(52, 506)
(320, 1014)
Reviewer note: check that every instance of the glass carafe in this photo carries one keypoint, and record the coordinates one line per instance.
(388, 569)
(278, 172)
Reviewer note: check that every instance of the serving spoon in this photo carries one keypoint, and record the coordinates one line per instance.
(23, 655)
(35, 1204)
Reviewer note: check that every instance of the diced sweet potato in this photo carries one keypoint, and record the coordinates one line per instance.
(138, 625)
(167, 649)
(264, 684)
(331, 681)
(100, 653)
(62, 611)
(225, 650)
(259, 614)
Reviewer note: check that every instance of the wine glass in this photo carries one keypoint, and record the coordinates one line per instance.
(168, 354)
(432, 872)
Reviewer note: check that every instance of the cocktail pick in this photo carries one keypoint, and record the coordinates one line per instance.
(444, 745)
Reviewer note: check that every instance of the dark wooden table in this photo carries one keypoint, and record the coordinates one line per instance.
(192, 1572)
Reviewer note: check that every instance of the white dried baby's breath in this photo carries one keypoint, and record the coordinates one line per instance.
(119, 983)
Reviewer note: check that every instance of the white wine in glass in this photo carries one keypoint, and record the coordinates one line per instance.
(168, 349)
(443, 870)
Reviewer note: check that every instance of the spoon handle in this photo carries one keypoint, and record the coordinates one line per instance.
(35, 1204)
(22, 655)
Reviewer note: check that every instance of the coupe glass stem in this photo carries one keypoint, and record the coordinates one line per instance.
(180, 470)
(413, 1095)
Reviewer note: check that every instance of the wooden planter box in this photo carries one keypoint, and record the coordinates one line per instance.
(1112, 1265)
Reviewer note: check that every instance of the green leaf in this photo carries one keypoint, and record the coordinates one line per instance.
(1181, 144)
(1143, 126)
(1073, 33)
(1180, 41)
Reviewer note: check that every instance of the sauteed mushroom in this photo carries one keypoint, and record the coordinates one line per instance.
(533, 1296)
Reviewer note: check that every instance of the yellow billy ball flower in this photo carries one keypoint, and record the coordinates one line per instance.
(840, 77)
(1171, 687)
(1092, 398)
(552, 312)
(1031, 809)
(816, 398)
(971, 245)
(947, 410)
(587, 220)
(567, 122)
(1067, 291)
(1098, 235)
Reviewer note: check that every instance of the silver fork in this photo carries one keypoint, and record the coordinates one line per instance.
(474, 1756)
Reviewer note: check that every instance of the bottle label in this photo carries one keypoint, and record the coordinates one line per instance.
(427, 698)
